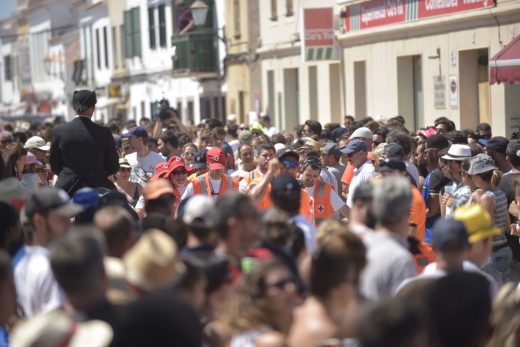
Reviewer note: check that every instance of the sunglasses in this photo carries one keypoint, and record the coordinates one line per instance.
(243, 128)
(124, 169)
(282, 283)
(290, 164)
(180, 172)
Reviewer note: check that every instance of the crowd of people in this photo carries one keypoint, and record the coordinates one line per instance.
(365, 233)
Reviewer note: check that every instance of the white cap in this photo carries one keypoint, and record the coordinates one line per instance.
(37, 142)
(279, 146)
(363, 133)
(198, 211)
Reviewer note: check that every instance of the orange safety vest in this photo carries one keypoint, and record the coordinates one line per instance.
(322, 207)
(202, 185)
(265, 201)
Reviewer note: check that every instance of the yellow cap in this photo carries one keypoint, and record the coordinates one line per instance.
(477, 221)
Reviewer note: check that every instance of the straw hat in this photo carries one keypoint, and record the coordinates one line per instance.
(153, 262)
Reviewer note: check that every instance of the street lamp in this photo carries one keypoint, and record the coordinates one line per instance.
(199, 12)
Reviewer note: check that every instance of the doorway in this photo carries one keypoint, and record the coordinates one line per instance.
(475, 106)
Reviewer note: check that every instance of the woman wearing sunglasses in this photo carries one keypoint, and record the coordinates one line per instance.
(131, 190)
(261, 309)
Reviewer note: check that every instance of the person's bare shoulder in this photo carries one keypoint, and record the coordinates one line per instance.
(310, 326)
(271, 339)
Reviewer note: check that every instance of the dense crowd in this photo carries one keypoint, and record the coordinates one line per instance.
(224, 234)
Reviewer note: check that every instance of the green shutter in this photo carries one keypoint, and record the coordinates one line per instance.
(136, 26)
(128, 34)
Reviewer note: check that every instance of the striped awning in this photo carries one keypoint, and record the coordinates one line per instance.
(504, 67)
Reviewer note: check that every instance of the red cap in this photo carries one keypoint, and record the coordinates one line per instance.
(216, 159)
(165, 169)
(176, 162)
(161, 170)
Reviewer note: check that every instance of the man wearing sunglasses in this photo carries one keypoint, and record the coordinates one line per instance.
(286, 162)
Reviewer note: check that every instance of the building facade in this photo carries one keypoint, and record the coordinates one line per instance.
(295, 86)
(424, 59)
(243, 75)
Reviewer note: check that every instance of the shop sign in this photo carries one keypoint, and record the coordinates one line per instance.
(318, 26)
(439, 88)
(376, 13)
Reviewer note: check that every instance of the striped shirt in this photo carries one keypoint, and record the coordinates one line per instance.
(500, 214)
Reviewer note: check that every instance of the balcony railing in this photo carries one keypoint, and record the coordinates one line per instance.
(195, 53)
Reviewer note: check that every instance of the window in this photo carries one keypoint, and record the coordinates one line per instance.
(289, 8)
(151, 26)
(8, 68)
(98, 49)
(132, 33)
(105, 42)
(236, 16)
(274, 10)
(114, 47)
(122, 39)
(78, 74)
(162, 26)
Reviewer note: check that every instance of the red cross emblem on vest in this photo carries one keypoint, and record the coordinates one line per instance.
(321, 208)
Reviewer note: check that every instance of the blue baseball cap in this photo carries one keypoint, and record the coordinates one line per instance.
(136, 131)
(452, 231)
(355, 146)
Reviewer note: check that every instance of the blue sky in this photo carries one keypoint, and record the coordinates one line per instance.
(6, 8)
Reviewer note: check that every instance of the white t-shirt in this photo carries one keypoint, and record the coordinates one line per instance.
(36, 288)
(270, 131)
(143, 166)
(365, 173)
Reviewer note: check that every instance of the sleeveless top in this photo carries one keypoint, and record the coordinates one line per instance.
(500, 214)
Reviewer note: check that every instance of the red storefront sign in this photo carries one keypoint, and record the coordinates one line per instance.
(431, 8)
(319, 27)
(376, 13)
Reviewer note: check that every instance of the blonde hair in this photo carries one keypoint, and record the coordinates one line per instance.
(505, 318)
(377, 153)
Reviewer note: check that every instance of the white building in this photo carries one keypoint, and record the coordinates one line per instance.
(10, 102)
(47, 21)
(295, 90)
(149, 27)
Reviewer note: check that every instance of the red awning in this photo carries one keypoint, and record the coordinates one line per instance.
(504, 67)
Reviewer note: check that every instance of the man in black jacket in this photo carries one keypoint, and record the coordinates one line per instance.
(83, 154)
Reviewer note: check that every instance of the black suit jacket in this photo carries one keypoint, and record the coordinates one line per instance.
(83, 154)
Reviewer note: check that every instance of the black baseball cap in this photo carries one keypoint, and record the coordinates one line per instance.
(391, 165)
(498, 144)
(51, 200)
(287, 152)
(284, 184)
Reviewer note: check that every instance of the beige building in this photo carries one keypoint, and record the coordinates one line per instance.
(421, 61)
(243, 69)
(295, 89)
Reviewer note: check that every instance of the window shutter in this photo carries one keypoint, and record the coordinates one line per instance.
(162, 26)
(136, 25)
(128, 42)
(151, 27)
